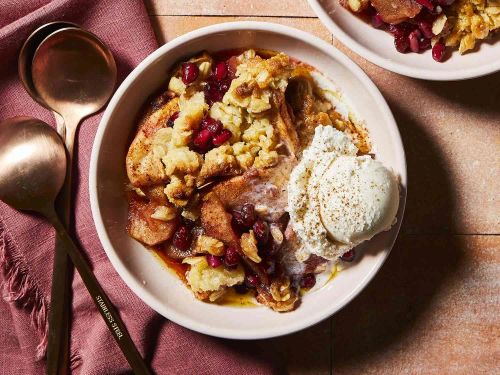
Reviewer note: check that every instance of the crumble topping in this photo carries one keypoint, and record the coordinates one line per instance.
(203, 278)
(467, 21)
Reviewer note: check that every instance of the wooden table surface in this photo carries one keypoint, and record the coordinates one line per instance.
(434, 306)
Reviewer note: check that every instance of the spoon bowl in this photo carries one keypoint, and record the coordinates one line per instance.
(27, 53)
(74, 73)
(33, 161)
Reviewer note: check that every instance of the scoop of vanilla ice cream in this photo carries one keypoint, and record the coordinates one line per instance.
(359, 197)
(337, 199)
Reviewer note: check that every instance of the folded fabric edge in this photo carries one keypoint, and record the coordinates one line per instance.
(20, 290)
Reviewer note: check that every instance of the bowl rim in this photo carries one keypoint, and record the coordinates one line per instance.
(420, 73)
(135, 284)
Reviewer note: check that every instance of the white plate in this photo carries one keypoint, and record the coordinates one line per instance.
(377, 46)
(158, 287)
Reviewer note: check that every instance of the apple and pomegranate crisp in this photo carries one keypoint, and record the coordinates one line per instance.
(209, 165)
(418, 25)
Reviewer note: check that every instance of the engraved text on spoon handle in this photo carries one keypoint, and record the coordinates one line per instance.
(101, 300)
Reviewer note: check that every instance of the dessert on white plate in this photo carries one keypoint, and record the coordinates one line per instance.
(419, 24)
(463, 34)
(140, 269)
(250, 163)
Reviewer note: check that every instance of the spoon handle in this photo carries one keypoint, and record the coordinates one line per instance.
(60, 297)
(101, 300)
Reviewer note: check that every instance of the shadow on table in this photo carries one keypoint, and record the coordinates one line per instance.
(375, 326)
(470, 93)
(394, 305)
(396, 301)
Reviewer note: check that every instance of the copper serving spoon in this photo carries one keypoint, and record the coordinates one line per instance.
(26, 58)
(33, 160)
(59, 328)
(74, 74)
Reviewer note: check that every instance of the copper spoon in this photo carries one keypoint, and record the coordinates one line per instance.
(58, 337)
(74, 74)
(26, 58)
(33, 160)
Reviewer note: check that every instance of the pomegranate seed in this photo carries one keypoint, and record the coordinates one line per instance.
(241, 289)
(413, 38)
(202, 140)
(308, 281)
(182, 238)
(438, 51)
(261, 230)
(224, 86)
(402, 29)
(377, 21)
(425, 16)
(426, 3)
(220, 71)
(426, 29)
(425, 44)
(393, 29)
(232, 257)
(190, 72)
(213, 92)
(213, 261)
(222, 137)
(212, 125)
(172, 118)
(238, 220)
(215, 127)
(348, 256)
(248, 214)
(251, 281)
(402, 43)
(205, 122)
(215, 88)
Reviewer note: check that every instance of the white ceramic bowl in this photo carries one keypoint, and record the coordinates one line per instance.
(377, 46)
(158, 287)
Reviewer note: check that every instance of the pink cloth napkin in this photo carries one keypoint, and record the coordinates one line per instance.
(27, 242)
